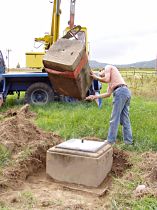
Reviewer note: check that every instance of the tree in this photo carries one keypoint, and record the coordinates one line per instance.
(18, 66)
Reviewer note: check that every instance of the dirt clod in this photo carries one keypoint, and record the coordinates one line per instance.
(120, 162)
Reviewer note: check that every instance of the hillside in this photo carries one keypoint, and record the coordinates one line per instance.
(142, 64)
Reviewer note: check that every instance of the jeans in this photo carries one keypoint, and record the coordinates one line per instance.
(120, 115)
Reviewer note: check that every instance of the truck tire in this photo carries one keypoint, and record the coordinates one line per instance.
(39, 94)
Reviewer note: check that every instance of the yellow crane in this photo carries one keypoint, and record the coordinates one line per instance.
(34, 59)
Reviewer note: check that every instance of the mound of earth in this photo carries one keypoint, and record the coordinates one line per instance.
(18, 131)
(120, 162)
(26, 143)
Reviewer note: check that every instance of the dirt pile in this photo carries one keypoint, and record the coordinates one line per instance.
(18, 131)
(27, 144)
(120, 162)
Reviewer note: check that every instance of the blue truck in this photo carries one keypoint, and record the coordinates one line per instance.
(36, 85)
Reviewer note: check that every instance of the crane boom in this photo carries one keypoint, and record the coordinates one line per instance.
(72, 13)
(52, 37)
(49, 39)
(55, 21)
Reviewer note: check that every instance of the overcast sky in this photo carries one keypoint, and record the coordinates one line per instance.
(119, 31)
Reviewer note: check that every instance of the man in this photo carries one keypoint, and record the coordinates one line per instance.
(121, 102)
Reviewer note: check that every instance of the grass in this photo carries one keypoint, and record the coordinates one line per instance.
(4, 155)
(3, 206)
(146, 203)
(27, 199)
(85, 119)
(122, 193)
(72, 120)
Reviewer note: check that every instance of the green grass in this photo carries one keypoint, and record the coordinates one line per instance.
(12, 102)
(146, 203)
(76, 120)
(3, 206)
(27, 199)
(4, 155)
(73, 119)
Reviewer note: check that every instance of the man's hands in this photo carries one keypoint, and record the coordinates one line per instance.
(91, 97)
(93, 75)
(100, 77)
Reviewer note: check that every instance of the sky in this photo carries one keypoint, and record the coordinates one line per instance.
(119, 31)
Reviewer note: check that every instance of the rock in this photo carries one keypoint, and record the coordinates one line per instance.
(140, 188)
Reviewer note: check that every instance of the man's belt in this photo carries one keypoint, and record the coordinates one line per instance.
(122, 85)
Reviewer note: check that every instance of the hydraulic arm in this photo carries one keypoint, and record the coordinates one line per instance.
(72, 13)
(49, 39)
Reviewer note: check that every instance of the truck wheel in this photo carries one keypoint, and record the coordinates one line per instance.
(39, 94)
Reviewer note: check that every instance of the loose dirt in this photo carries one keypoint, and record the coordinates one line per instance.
(18, 131)
(26, 143)
(120, 162)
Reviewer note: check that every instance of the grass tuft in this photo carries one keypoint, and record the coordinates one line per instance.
(4, 155)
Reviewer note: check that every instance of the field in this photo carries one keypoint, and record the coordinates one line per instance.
(27, 132)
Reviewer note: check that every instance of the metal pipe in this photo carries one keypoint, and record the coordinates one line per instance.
(72, 13)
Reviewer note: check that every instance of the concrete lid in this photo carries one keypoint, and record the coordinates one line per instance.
(64, 54)
(92, 149)
(82, 145)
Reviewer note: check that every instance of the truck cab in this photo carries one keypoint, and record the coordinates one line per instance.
(2, 64)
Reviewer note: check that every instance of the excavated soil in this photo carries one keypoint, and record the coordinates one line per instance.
(120, 162)
(17, 131)
(26, 143)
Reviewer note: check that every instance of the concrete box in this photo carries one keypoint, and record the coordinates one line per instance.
(64, 55)
(68, 69)
(86, 163)
(76, 85)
